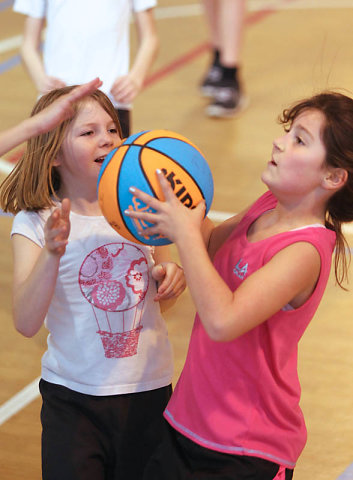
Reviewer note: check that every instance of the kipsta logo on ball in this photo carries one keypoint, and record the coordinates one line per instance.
(134, 163)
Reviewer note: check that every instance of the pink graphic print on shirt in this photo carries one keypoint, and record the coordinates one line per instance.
(114, 280)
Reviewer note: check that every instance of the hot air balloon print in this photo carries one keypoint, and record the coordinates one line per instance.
(114, 279)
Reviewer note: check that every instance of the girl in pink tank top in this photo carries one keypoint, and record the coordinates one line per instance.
(256, 281)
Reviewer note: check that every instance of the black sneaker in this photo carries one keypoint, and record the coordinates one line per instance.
(227, 101)
(210, 81)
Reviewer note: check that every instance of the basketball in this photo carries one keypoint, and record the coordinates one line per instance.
(134, 163)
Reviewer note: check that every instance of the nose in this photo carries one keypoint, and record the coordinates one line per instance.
(278, 143)
(106, 139)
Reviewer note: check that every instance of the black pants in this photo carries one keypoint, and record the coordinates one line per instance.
(125, 121)
(178, 458)
(88, 437)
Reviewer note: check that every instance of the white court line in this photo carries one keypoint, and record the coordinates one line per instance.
(19, 401)
(10, 43)
(5, 167)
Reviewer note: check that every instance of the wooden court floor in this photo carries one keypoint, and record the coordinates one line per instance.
(291, 49)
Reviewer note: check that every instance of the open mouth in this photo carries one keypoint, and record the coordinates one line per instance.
(100, 160)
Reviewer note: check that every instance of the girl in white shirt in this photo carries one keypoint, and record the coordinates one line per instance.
(106, 375)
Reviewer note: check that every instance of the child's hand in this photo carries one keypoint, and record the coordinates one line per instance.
(48, 83)
(125, 89)
(171, 280)
(61, 109)
(57, 229)
(172, 219)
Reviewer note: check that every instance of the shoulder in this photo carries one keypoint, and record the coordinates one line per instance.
(30, 216)
(31, 225)
(320, 238)
(32, 8)
(310, 248)
(141, 5)
(301, 252)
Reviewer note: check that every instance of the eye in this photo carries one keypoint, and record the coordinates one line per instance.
(299, 140)
(86, 133)
(113, 130)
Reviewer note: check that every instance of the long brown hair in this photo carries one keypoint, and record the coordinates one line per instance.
(337, 136)
(33, 183)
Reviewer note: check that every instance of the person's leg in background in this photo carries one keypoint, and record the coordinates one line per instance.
(222, 84)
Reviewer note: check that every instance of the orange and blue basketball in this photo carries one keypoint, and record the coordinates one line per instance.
(134, 163)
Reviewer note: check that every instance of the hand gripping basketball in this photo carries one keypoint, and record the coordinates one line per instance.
(135, 163)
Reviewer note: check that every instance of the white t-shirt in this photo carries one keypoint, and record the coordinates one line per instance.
(107, 335)
(86, 38)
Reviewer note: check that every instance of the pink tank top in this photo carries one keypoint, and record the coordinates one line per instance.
(242, 397)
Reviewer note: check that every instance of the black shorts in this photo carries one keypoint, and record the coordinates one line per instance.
(178, 458)
(87, 437)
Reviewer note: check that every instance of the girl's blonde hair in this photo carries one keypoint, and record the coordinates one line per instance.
(34, 182)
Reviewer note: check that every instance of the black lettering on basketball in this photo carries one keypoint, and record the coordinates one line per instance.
(174, 182)
(181, 191)
(186, 200)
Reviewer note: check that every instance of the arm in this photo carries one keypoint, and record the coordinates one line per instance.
(47, 119)
(289, 277)
(36, 270)
(32, 58)
(126, 88)
(170, 278)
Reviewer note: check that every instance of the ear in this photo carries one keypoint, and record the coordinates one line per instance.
(335, 178)
(57, 161)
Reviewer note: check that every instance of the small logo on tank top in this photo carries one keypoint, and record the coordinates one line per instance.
(240, 269)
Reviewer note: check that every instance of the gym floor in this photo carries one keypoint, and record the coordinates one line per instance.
(292, 49)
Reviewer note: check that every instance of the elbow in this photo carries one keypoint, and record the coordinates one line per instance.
(220, 333)
(26, 332)
(221, 326)
(24, 327)
(219, 337)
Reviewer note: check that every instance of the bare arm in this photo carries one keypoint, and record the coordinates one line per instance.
(289, 277)
(126, 88)
(36, 270)
(47, 119)
(32, 58)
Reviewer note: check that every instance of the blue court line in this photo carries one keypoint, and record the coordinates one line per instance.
(347, 474)
(6, 4)
(10, 63)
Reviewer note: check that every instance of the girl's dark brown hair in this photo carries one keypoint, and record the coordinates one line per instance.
(337, 136)
(34, 182)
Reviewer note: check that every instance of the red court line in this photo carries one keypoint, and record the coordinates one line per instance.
(176, 64)
(200, 49)
(180, 62)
